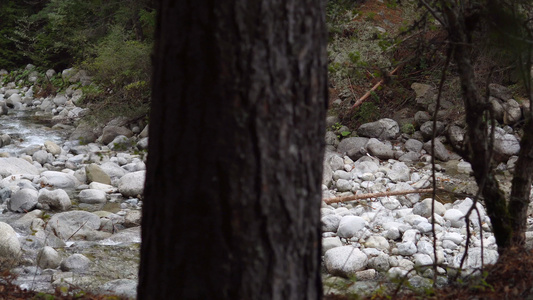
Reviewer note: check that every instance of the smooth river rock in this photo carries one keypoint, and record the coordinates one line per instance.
(345, 261)
(132, 184)
(12, 165)
(9, 244)
(73, 225)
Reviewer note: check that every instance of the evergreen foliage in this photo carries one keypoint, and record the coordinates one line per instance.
(112, 39)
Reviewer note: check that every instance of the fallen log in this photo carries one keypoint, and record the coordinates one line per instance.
(374, 195)
(365, 96)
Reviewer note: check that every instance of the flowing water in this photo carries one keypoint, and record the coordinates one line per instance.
(25, 129)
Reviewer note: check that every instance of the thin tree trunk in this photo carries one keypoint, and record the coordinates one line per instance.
(477, 131)
(234, 171)
(521, 189)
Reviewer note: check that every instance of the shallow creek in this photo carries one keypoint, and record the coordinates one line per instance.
(112, 258)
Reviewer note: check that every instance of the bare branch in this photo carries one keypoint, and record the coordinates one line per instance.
(374, 195)
(365, 96)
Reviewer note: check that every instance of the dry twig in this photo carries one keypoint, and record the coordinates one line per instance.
(374, 195)
(365, 96)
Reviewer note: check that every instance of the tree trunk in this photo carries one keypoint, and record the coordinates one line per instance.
(477, 131)
(233, 188)
(521, 189)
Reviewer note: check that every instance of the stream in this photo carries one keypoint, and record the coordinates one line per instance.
(26, 129)
(114, 259)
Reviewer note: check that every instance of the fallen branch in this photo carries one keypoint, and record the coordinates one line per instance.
(362, 99)
(374, 195)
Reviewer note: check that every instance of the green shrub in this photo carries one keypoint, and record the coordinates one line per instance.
(367, 112)
(408, 128)
(120, 61)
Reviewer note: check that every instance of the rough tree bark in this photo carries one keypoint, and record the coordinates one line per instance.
(232, 195)
(476, 107)
(521, 185)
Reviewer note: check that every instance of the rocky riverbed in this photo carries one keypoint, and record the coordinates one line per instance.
(71, 195)
(380, 239)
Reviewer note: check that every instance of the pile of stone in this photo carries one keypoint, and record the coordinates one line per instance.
(391, 235)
